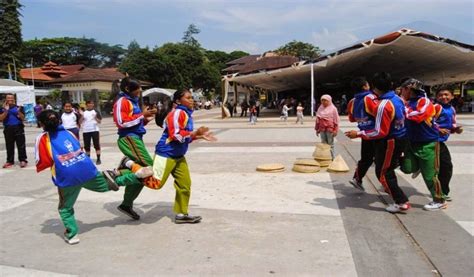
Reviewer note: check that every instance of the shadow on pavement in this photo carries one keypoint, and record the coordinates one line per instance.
(348, 197)
(155, 212)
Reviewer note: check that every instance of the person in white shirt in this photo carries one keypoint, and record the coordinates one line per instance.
(70, 119)
(284, 112)
(90, 130)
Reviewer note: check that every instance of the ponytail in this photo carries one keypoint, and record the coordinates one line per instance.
(49, 119)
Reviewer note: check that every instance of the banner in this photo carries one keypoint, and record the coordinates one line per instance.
(29, 111)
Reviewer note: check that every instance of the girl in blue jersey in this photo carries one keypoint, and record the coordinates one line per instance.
(178, 133)
(71, 169)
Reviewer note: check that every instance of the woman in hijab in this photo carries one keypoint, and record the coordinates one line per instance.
(327, 122)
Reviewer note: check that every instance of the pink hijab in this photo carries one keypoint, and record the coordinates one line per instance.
(328, 113)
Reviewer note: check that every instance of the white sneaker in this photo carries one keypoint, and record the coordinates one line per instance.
(398, 208)
(144, 172)
(435, 206)
(73, 240)
(415, 174)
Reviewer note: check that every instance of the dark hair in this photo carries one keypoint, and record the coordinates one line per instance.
(161, 114)
(124, 84)
(89, 102)
(50, 120)
(414, 85)
(127, 85)
(382, 81)
(67, 102)
(443, 88)
(133, 85)
(358, 83)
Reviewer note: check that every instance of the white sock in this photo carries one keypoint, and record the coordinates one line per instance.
(129, 164)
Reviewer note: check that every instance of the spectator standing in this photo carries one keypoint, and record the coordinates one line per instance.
(299, 113)
(90, 130)
(38, 109)
(71, 119)
(14, 131)
(327, 122)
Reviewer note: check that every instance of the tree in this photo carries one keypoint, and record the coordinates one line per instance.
(234, 55)
(299, 49)
(188, 37)
(67, 50)
(133, 46)
(10, 33)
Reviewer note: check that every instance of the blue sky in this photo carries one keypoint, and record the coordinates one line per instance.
(253, 26)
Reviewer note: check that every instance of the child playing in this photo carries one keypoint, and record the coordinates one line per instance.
(130, 121)
(284, 112)
(90, 130)
(361, 110)
(171, 148)
(327, 122)
(71, 170)
(253, 115)
(423, 150)
(299, 113)
(446, 120)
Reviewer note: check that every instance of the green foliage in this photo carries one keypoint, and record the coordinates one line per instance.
(10, 33)
(67, 50)
(55, 95)
(172, 65)
(133, 46)
(299, 49)
(188, 37)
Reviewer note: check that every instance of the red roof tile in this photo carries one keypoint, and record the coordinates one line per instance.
(91, 74)
(244, 60)
(268, 63)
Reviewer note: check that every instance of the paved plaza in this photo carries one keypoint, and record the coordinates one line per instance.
(254, 223)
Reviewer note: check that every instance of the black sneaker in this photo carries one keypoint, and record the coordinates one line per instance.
(128, 211)
(179, 219)
(356, 184)
(98, 162)
(110, 176)
(122, 163)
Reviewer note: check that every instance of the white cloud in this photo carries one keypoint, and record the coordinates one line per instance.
(330, 40)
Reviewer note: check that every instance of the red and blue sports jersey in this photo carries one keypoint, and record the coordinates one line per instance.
(60, 150)
(389, 118)
(420, 121)
(177, 133)
(445, 116)
(128, 116)
(360, 109)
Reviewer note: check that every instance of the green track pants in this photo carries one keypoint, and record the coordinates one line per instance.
(68, 196)
(178, 168)
(424, 157)
(134, 148)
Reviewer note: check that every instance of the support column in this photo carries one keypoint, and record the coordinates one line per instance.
(312, 89)
(95, 95)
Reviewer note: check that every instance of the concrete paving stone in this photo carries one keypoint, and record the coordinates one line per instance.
(225, 243)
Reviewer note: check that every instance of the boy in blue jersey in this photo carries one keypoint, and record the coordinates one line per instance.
(361, 110)
(423, 133)
(445, 115)
(71, 169)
